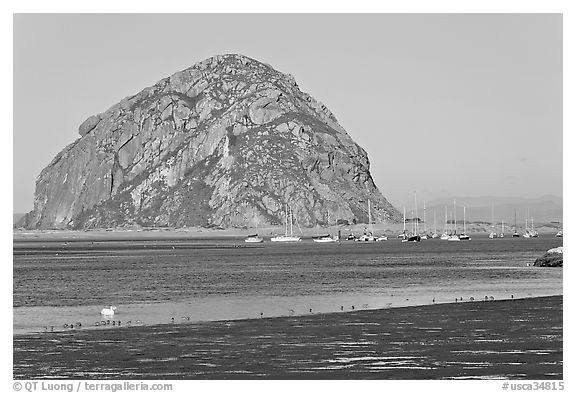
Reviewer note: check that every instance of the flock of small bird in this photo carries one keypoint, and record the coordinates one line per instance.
(109, 312)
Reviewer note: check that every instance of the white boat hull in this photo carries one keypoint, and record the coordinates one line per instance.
(365, 238)
(324, 240)
(286, 239)
(254, 240)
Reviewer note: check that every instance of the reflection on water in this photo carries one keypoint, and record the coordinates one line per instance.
(192, 281)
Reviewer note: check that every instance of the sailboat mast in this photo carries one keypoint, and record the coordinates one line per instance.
(370, 218)
(455, 228)
(434, 220)
(404, 219)
(425, 225)
(446, 219)
(464, 219)
(291, 225)
(492, 215)
(416, 214)
(286, 221)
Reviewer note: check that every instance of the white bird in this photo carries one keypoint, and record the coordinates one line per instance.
(108, 311)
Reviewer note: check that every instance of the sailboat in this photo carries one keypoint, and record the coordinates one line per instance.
(515, 233)
(403, 235)
(435, 234)
(502, 233)
(463, 235)
(287, 238)
(492, 234)
(368, 237)
(424, 235)
(382, 238)
(414, 236)
(445, 236)
(325, 238)
(454, 237)
(526, 232)
(532, 232)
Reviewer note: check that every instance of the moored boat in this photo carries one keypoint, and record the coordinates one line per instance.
(464, 235)
(254, 239)
(324, 239)
(412, 238)
(287, 238)
(515, 233)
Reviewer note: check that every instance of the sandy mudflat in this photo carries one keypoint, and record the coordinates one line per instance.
(517, 339)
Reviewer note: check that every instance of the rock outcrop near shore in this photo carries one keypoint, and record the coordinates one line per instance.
(553, 258)
(228, 142)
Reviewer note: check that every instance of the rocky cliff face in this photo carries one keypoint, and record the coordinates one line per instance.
(227, 142)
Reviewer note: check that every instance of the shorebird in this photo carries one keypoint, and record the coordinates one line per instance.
(491, 298)
(108, 311)
(341, 308)
(172, 319)
(291, 312)
(471, 299)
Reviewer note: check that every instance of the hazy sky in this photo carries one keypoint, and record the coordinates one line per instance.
(444, 104)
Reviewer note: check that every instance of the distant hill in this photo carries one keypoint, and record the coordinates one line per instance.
(547, 208)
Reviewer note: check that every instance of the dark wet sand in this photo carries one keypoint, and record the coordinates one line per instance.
(516, 339)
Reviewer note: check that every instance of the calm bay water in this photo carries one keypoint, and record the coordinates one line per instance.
(153, 281)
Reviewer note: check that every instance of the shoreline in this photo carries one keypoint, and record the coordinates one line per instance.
(20, 236)
(451, 340)
(389, 229)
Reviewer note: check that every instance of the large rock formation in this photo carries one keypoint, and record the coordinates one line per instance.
(227, 142)
(552, 258)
